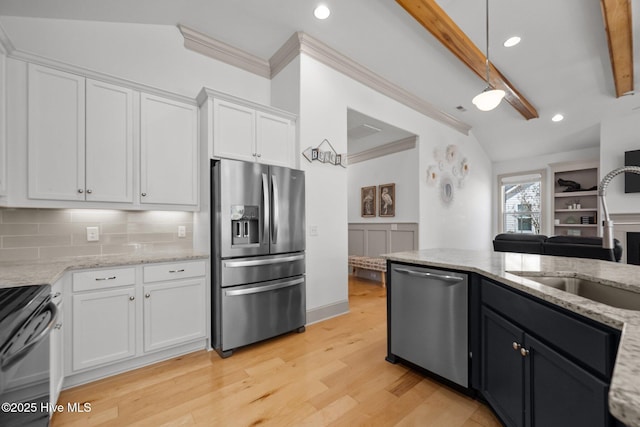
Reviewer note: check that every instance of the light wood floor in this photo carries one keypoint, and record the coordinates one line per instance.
(334, 374)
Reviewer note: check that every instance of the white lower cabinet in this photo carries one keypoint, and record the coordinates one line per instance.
(104, 327)
(119, 322)
(174, 312)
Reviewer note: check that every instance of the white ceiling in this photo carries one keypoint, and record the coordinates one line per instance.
(561, 66)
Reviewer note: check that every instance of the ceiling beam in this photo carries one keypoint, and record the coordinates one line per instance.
(617, 23)
(442, 27)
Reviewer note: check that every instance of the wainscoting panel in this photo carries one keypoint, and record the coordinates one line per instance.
(374, 239)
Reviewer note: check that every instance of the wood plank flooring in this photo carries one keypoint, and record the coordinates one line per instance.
(334, 374)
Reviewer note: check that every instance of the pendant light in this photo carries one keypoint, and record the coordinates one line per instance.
(489, 98)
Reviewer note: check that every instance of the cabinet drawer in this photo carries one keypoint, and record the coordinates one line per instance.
(588, 344)
(99, 279)
(178, 270)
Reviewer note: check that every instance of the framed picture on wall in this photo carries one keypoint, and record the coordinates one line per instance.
(368, 202)
(387, 200)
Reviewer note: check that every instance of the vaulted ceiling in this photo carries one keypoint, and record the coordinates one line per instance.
(561, 66)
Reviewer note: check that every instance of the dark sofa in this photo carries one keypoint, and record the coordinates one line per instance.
(569, 246)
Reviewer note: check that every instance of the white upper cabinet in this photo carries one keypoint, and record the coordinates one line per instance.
(3, 123)
(275, 139)
(234, 131)
(246, 131)
(168, 151)
(96, 144)
(109, 142)
(56, 134)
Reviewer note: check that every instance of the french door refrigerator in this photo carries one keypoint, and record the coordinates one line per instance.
(258, 258)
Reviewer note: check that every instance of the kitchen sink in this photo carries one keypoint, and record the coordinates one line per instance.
(605, 294)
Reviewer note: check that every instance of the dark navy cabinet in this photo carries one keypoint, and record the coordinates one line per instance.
(542, 365)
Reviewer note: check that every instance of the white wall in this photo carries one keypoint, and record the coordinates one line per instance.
(537, 163)
(325, 96)
(399, 168)
(153, 55)
(618, 135)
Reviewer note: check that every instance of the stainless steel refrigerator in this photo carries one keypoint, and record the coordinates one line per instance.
(258, 259)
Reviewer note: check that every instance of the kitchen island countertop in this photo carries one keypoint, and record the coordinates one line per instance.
(47, 271)
(624, 393)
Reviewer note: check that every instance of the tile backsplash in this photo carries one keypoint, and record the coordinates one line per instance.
(28, 234)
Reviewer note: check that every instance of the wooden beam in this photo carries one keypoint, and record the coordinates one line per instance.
(442, 27)
(617, 23)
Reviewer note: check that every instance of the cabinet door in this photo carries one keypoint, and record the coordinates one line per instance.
(3, 124)
(502, 367)
(174, 313)
(103, 327)
(169, 151)
(234, 131)
(109, 143)
(560, 392)
(275, 140)
(56, 141)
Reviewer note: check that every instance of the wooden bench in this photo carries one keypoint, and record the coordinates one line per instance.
(369, 263)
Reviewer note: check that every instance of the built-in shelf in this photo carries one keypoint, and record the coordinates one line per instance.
(576, 193)
(586, 174)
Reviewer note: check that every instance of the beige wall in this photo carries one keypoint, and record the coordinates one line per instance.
(27, 234)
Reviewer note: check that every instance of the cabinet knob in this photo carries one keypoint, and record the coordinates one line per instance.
(524, 352)
(58, 326)
(147, 295)
(80, 190)
(89, 191)
(144, 194)
(131, 298)
(259, 155)
(516, 346)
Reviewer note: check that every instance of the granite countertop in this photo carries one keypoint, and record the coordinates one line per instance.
(47, 271)
(624, 392)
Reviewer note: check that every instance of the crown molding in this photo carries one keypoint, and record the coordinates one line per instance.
(383, 150)
(301, 42)
(201, 43)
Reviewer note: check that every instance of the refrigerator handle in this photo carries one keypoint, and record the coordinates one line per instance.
(276, 210)
(266, 209)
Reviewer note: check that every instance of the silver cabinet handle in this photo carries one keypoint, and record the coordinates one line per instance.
(265, 288)
(147, 295)
(425, 274)
(106, 278)
(56, 295)
(144, 194)
(89, 191)
(58, 326)
(259, 262)
(524, 352)
(259, 155)
(80, 190)
(516, 346)
(177, 271)
(131, 298)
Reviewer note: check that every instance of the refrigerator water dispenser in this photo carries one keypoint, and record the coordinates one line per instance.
(245, 225)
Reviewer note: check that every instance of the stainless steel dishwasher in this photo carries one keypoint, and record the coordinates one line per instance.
(427, 313)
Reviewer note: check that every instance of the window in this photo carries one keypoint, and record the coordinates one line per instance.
(521, 200)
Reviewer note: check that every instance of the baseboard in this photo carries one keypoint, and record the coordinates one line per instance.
(325, 312)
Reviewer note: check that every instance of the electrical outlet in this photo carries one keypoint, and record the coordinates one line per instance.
(93, 234)
(182, 231)
(313, 230)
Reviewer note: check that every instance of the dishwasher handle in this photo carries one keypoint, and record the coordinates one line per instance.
(444, 277)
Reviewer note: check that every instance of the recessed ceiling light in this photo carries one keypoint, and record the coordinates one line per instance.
(322, 12)
(512, 41)
(557, 118)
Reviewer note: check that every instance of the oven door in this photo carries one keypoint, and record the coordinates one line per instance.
(24, 372)
(255, 312)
